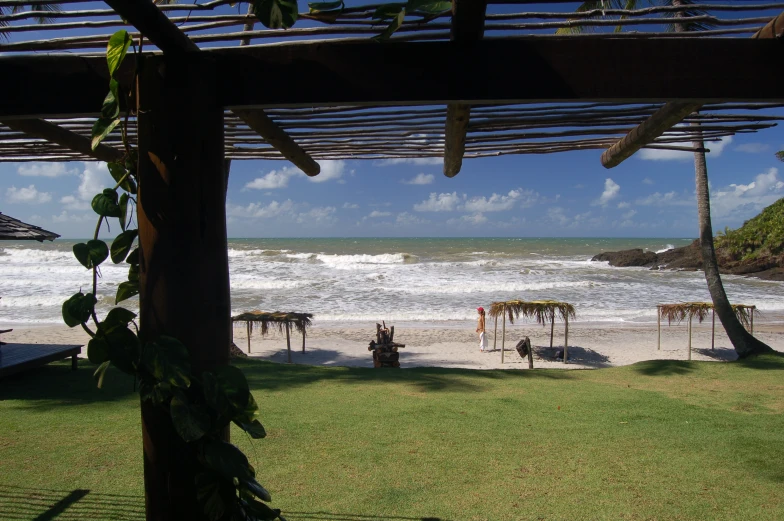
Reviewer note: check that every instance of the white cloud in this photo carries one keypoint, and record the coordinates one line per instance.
(74, 218)
(667, 199)
(260, 211)
(29, 195)
(93, 179)
(752, 148)
(320, 215)
(420, 179)
(495, 203)
(45, 170)
(274, 179)
(623, 204)
(629, 214)
(647, 181)
(407, 219)
(350, 206)
(474, 219)
(410, 161)
(611, 189)
(556, 215)
(743, 201)
(376, 213)
(578, 186)
(445, 202)
(654, 154)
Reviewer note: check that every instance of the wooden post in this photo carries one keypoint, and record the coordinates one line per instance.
(658, 326)
(249, 329)
(530, 355)
(495, 332)
(184, 266)
(74, 362)
(566, 338)
(552, 326)
(303, 339)
(503, 335)
(690, 337)
(713, 329)
(288, 341)
(751, 319)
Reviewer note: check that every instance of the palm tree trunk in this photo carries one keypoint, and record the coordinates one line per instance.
(745, 344)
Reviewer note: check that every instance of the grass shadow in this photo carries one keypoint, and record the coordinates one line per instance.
(334, 516)
(767, 361)
(38, 504)
(719, 353)
(266, 375)
(56, 385)
(664, 367)
(577, 354)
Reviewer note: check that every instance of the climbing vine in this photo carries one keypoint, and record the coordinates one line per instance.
(201, 406)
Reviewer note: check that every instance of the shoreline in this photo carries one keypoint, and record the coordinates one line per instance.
(455, 345)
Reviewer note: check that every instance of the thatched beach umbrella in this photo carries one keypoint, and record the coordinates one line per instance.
(15, 230)
(541, 310)
(680, 311)
(279, 319)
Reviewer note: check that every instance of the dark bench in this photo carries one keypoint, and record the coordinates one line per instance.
(19, 357)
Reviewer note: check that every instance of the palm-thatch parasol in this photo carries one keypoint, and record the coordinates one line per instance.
(680, 311)
(15, 230)
(541, 310)
(278, 319)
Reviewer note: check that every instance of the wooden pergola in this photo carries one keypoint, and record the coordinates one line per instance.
(474, 81)
(287, 320)
(540, 310)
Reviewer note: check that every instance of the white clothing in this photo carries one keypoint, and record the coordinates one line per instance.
(482, 341)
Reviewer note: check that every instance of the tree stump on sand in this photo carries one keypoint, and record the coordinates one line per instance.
(524, 349)
(384, 350)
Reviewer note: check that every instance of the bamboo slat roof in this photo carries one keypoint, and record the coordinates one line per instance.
(399, 130)
(699, 310)
(15, 230)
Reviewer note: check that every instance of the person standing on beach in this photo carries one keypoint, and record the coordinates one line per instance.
(480, 328)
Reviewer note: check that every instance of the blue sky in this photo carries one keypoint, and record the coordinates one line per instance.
(568, 194)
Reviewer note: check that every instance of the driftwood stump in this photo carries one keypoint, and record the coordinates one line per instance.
(384, 349)
(523, 348)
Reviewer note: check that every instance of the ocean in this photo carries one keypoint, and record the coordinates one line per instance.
(415, 280)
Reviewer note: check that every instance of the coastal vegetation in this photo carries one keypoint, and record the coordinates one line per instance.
(759, 239)
(654, 440)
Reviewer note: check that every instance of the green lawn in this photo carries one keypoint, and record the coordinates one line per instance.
(656, 440)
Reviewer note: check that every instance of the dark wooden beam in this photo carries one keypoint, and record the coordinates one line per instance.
(184, 272)
(42, 129)
(153, 24)
(670, 114)
(468, 25)
(424, 73)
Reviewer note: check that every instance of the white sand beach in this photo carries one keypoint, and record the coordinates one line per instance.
(591, 345)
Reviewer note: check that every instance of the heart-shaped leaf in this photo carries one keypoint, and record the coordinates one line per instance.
(123, 346)
(126, 290)
(102, 128)
(227, 460)
(133, 257)
(78, 308)
(190, 421)
(119, 316)
(91, 254)
(168, 360)
(120, 173)
(105, 203)
(276, 14)
(116, 50)
(98, 350)
(122, 245)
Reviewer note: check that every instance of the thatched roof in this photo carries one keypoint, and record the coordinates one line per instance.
(682, 310)
(15, 230)
(278, 319)
(542, 310)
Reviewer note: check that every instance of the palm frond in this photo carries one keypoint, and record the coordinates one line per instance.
(263, 320)
(683, 16)
(598, 5)
(543, 311)
(700, 310)
(41, 19)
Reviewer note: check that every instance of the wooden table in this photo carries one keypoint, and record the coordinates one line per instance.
(15, 358)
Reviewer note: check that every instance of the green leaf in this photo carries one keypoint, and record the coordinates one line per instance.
(394, 25)
(428, 6)
(133, 273)
(155, 392)
(276, 14)
(260, 510)
(100, 372)
(123, 204)
(110, 109)
(126, 290)
(116, 50)
(257, 490)
(119, 316)
(388, 11)
(119, 171)
(227, 460)
(122, 245)
(91, 254)
(123, 346)
(168, 360)
(133, 258)
(98, 350)
(226, 390)
(323, 7)
(105, 203)
(101, 129)
(190, 421)
(78, 308)
(208, 492)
